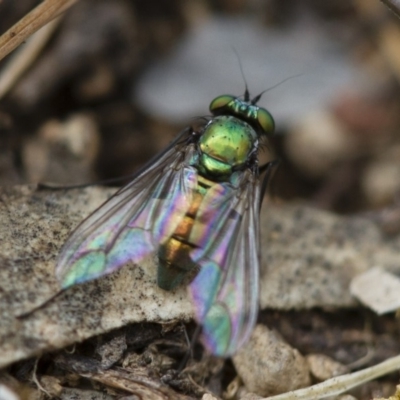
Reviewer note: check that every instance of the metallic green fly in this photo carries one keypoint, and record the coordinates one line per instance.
(197, 206)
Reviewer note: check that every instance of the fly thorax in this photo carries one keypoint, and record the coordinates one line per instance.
(225, 144)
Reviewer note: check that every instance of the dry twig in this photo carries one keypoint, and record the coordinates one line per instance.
(343, 383)
(393, 5)
(25, 57)
(38, 17)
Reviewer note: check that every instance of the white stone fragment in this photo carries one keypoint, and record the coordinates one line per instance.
(7, 394)
(377, 289)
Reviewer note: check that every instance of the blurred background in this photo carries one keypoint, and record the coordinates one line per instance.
(117, 80)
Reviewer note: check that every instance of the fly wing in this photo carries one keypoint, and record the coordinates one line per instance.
(225, 291)
(132, 223)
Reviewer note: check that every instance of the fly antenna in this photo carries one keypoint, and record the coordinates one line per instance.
(246, 91)
(256, 99)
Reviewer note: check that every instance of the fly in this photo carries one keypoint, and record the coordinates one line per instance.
(196, 205)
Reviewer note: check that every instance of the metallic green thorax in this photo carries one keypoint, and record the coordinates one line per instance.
(225, 144)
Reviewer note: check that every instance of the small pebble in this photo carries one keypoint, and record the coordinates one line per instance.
(323, 367)
(381, 182)
(268, 365)
(208, 396)
(318, 143)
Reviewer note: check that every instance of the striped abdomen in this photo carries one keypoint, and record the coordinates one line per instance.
(174, 255)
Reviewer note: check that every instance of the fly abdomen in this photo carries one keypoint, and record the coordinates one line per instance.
(174, 255)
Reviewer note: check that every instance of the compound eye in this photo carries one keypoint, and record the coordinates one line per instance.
(220, 102)
(266, 121)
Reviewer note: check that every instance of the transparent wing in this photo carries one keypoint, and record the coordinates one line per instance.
(144, 214)
(225, 291)
(133, 222)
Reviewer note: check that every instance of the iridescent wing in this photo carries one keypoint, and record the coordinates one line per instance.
(144, 214)
(133, 222)
(225, 291)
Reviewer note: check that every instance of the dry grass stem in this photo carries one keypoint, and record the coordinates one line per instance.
(343, 383)
(25, 57)
(30, 23)
(393, 5)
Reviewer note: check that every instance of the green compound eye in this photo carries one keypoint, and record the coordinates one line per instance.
(221, 102)
(265, 121)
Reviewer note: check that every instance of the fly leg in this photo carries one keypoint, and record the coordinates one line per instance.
(189, 352)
